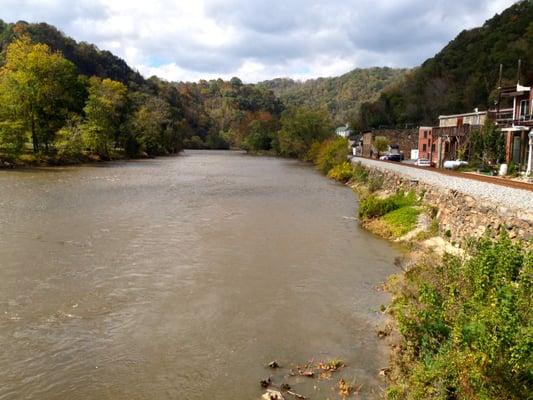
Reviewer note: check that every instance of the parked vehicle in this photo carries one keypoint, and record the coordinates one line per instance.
(391, 157)
(454, 164)
(423, 162)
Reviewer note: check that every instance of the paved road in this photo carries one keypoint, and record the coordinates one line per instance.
(505, 196)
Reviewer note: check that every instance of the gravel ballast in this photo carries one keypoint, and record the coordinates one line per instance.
(504, 196)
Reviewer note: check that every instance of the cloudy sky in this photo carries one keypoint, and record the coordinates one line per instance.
(259, 39)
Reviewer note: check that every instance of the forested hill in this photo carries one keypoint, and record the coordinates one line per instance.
(462, 76)
(214, 114)
(89, 60)
(341, 96)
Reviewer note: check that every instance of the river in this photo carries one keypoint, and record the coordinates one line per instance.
(181, 278)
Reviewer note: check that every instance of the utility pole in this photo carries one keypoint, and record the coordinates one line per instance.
(518, 72)
(499, 90)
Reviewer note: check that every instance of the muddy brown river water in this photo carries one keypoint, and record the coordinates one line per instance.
(180, 278)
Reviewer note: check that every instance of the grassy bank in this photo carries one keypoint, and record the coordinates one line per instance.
(463, 322)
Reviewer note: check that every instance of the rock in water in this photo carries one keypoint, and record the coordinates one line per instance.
(272, 395)
(273, 365)
(265, 383)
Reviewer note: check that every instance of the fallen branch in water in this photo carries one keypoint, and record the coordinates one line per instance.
(298, 396)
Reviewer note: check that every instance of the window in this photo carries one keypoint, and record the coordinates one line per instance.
(524, 105)
(424, 147)
(425, 134)
(433, 147)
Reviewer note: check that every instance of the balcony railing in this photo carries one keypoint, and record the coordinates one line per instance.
(462, 130)
(505, 118)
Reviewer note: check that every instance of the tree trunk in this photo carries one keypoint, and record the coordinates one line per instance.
(34, 139)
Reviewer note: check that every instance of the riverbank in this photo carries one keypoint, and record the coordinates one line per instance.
(460, 314)
(30, 161)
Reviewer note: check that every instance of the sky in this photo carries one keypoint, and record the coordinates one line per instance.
(188, 40)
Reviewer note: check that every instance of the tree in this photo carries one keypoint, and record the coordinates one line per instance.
(104, 114)
(150, 122)
(38, 91)
(381, 144)
(12, 138)
(494, 143)
(69, 139)
(300, 128)
(260, 136)
(487, 145)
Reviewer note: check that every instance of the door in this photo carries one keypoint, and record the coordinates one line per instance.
(516, 149)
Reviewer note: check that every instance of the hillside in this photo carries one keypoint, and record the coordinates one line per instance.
(341, 96)
(210, 114)
(89, 60)
(463, 75)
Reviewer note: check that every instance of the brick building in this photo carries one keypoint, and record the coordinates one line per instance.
(426, 144)
(517, 124)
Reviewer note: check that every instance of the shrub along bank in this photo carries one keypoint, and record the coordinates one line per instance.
(466, 325)
(464, 321)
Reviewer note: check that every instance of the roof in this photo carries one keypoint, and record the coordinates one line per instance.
(514, 91)
(470, 114)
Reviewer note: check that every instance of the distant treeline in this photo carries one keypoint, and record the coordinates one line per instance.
(61, 100)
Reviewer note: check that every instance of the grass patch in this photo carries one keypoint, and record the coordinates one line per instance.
(402, 220)
(372, 206)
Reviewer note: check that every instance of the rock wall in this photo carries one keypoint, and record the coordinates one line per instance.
(407, 139)
(461, 216)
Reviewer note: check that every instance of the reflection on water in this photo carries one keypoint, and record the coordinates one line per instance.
(180, 278)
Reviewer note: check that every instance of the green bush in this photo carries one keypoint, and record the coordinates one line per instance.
(312, 154)
(375, 183)
(360, 173)
(467, 327)
(512, 170)
(372, 206)
(341, 172)
(332, 152)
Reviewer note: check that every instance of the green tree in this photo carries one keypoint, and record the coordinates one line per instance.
(260, 136)
(494, 143)
(381, 144)
(12, 138)
(104, 114)
(300, 128)
(487, 145)
(69, 140)
(332, 152)
(38, 91)
(150, 122)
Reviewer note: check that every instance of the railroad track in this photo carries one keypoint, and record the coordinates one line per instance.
(482, 178)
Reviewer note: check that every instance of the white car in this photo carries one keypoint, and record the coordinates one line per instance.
(423, 162)
(454, 164)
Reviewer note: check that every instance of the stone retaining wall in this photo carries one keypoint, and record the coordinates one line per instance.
(461, 216)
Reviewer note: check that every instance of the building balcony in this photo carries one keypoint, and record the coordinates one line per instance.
(457, 131)
(505, 118)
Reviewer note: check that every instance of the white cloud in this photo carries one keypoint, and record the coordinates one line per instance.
(257, 39)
